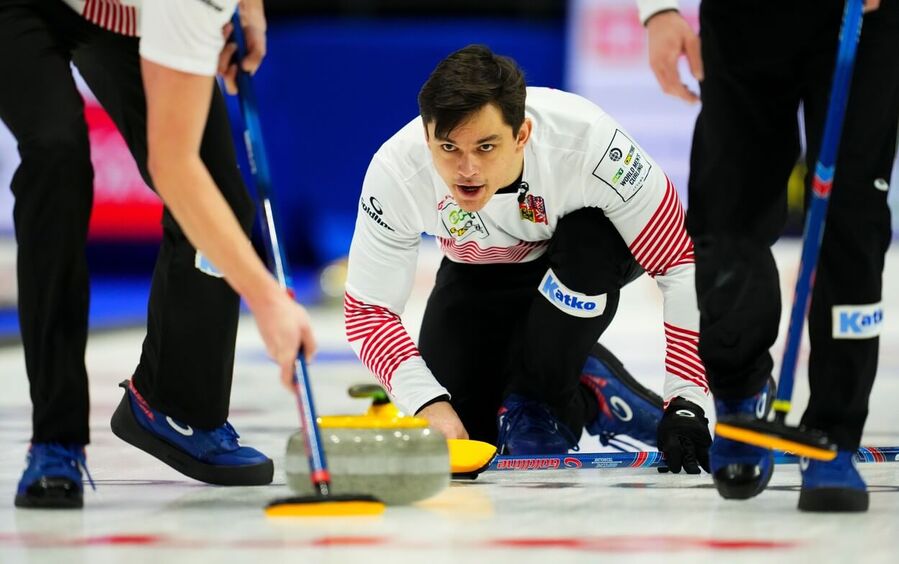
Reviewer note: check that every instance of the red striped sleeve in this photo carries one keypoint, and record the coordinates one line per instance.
(663, 243)
(132, 21)
(682, 355)
(385, 342)
(116, 20)
(112, 15)
(105, 13)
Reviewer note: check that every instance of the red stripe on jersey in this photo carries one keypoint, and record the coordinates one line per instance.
(385, 342)
(105, 13)
(682, 355)
(132, 16)
(663, 243)
(112, 15)
(680, 332)
(470, 252)
(95, 11)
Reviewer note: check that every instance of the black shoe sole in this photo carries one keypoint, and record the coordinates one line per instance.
(833, 500)
(731, 485)
(125, 426)
(26, 501)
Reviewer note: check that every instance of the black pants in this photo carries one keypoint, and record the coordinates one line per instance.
(488, 330)
(186, 364)
(745, 144)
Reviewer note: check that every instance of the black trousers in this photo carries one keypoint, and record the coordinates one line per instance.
(745, 144)
(488, 329)
(187, 360)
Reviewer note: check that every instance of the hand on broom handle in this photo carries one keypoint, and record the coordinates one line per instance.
(293, 365)
(283, 324)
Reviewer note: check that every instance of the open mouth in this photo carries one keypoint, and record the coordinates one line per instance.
(469, 188)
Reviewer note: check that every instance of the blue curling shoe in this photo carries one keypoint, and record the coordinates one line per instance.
(739, 470)
(833, 486)
(213, 456)
(625, 406)
(528, 427)
(52, 478)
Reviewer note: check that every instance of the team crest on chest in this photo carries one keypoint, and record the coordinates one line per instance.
(460, 224)
(531, 208)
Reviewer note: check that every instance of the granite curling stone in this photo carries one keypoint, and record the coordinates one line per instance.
(399, 460)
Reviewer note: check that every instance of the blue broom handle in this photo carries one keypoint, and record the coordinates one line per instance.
(259, 168)
(821, 187)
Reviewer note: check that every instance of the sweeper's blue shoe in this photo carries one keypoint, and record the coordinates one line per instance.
(52, 478)
(739, 470)
(213, 456)
(832, 486)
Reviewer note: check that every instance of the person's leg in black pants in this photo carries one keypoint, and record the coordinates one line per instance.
(188, 354)
(586, 256)
(845, 317)
(53, 189)
(184, 376)
(490, 331)
(474, 314)
(745, 144)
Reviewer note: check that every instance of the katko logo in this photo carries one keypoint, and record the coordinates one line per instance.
(857, 321)
(569, 301)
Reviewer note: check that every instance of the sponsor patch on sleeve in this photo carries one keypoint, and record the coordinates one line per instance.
(857, 321)
(623, 167)
(373, 209)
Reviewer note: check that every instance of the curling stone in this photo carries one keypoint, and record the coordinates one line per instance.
(395, 458)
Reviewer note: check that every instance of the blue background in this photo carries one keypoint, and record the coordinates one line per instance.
(332, 90)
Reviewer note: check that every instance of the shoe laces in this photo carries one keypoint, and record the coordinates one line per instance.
(58, 457)
(611, 439)
(226, 437)
(545, 421)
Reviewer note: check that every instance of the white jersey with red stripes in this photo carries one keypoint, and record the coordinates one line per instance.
(120, 16)
(184, 35)
(577, 157)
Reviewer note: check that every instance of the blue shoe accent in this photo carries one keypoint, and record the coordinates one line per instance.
(528, 427)
(52, 478)
(833, 486)
(213, 456)
(739, 470)
(625, 406)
